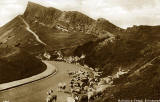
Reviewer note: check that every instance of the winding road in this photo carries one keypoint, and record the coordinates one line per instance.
(36, 91)
(49, 71)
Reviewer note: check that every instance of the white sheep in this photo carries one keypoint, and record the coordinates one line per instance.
(51, 98)
(61, 86)
(50, 92)
(70, 99)
(91, 94)
(100, 89)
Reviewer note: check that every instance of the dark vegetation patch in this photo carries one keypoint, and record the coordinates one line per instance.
(16, 64)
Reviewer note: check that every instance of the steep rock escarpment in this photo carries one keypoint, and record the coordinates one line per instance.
(70, 20)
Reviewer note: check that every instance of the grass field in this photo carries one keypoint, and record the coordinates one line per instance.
(16, 64)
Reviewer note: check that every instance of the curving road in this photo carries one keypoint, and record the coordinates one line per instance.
(49, 71)
(36, 91)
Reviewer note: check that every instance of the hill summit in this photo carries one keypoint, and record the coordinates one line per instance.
(69, 20)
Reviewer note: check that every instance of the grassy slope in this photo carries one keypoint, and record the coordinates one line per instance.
(16, 64)
(60, 40)
(125, 50)
(129, 51)
(20, 37)
(46, 21)
(144, 85)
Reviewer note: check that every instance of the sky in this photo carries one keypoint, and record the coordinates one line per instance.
(123, 13)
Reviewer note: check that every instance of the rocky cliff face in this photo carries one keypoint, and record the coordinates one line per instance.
(69, 20)
(37, 13)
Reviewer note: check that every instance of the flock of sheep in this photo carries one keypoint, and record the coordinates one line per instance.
(51, 96)
(85, 87)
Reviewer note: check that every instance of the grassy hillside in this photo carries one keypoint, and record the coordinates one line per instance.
(16, 64)
(106, 46)
(15, 34)
(59, 40)
(58, 29)
(123, 50)
(133, 51)
(141, 84)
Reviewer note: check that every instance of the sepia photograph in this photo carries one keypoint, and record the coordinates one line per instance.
(79, 50)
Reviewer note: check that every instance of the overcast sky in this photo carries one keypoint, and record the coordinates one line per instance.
(123, 13)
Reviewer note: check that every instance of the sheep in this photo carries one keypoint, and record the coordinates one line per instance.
(119, 73)
(48, 99)
(71, 73)
(86, 88)
(54, 97)
(71, 85)
(6, 101)
(84, 79)
(91, 84)
(108, 79)
(64, 86)
(83, 98)
(100, 90)
(51, 98)
(91, 95)
(50, 92)
(70, 99)
(90, 79)
(89, 89)
(76, 98)
(61, 86)
(82, 84)
(76, 90)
